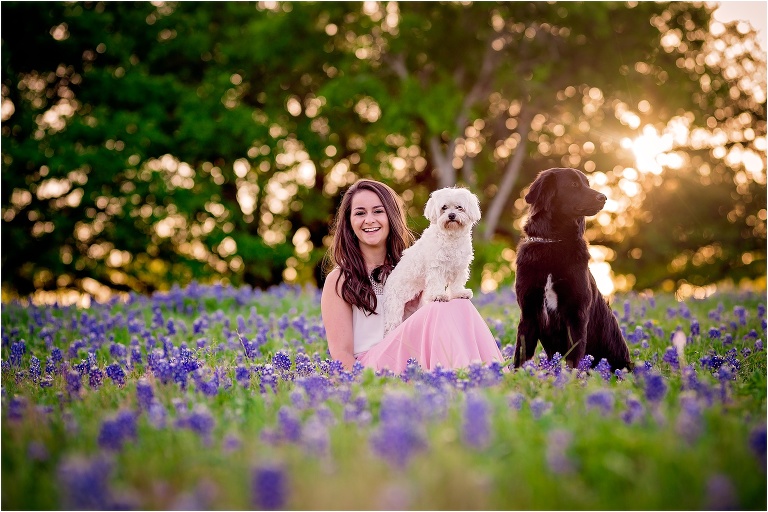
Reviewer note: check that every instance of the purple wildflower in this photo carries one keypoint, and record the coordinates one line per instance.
(604, 368)
(670, 357)
(757, 443)
(601, 400)
(558, 442)
(74, 382)
(144, 394)
(399, 434)
(476, 425)
(16, 407)
(18, 350)
(655, 387)
(721, 495)
(289, 424)
(695, 328)
(85, 485)
(515, 400)
(269, 488)
(539, 406)
(116, 373)
(282, 361)
(714, 333)
(200, 421)
(243, 375)
(634, 411)
(34, 369)
(115, 431)
(314, 436)
(95, 377)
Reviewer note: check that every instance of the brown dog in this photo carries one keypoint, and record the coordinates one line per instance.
(559, 301)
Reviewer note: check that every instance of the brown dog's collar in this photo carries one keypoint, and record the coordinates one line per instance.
(542, 240)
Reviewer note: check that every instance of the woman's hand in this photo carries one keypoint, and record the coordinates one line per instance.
(412, 306)
(337, 319)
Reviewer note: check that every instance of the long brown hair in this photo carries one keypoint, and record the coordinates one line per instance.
(345, 251)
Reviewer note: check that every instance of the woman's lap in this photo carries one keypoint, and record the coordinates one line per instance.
(450, 334)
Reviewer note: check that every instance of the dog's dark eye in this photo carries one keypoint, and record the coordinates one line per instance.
(445, 207)
(460, 208)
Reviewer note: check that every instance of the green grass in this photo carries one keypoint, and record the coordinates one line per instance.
(571, 456)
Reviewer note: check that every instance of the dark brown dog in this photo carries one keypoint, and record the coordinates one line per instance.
(559, 301)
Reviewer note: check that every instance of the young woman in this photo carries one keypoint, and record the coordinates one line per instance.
(369, 236)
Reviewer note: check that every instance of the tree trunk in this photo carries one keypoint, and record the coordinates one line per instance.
(511, 173)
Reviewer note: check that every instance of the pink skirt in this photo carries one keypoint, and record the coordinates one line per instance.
(450, 334)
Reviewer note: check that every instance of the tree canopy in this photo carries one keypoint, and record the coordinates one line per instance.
(146, 144)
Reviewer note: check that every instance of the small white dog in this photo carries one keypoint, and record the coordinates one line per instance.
(437, 265)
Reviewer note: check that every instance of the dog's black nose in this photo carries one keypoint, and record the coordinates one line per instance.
(601, 198)
(451, 216)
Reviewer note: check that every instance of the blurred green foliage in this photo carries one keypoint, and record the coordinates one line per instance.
(146, 144)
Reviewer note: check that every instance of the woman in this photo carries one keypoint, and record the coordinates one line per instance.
(370, 235)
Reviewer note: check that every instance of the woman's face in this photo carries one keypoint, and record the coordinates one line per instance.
(369, 219)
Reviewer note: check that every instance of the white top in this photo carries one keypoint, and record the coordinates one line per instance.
(368, 330)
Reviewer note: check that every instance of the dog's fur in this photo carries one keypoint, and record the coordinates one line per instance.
(558, 297)
(437, 265)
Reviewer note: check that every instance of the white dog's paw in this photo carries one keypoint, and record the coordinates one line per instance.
(439, 297)
(466, 293)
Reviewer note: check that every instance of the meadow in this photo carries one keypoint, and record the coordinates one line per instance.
(214, 397)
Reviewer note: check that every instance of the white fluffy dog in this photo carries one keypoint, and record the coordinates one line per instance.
(437, 265)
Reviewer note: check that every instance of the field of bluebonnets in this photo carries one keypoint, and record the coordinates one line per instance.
(214, 397)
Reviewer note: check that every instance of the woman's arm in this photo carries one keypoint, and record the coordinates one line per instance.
(337, 319)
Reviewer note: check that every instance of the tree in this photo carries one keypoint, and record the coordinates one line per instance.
(145, 144)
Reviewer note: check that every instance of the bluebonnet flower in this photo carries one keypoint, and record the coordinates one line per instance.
(758, 345)
(267, 378)
(289, 424)
(508, 352)
(115, 431)
(85, 484)
(585, 364)
(399, 434)
(728, 340)
(627, 310)
(37, 451)
(16, 407)
(695, 328)
(35, 370)
(634, 411)
(539, 407)
(269, 488)
(157, 414)
(243, 375)
(558, 442)
(144, 394)
(655, 387)
(760, 310)
(714, 333)
(18, 350)
(757, 443)
(604, 369)
(200, 421)
(689, 420)
(282, 361)
(670, 356)
(118, 351)
(741, 314)
(315, 386)
(476, 428)
(74, 382)
(315, 437)
(116, 373)
(601, 400)
(721, 495)
(136, 355)
(95, 377)
(304, 366)
(412, 370)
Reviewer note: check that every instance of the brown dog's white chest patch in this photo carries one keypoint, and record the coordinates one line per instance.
(550, 299)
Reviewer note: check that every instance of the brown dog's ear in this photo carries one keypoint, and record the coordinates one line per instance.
(542, 192)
